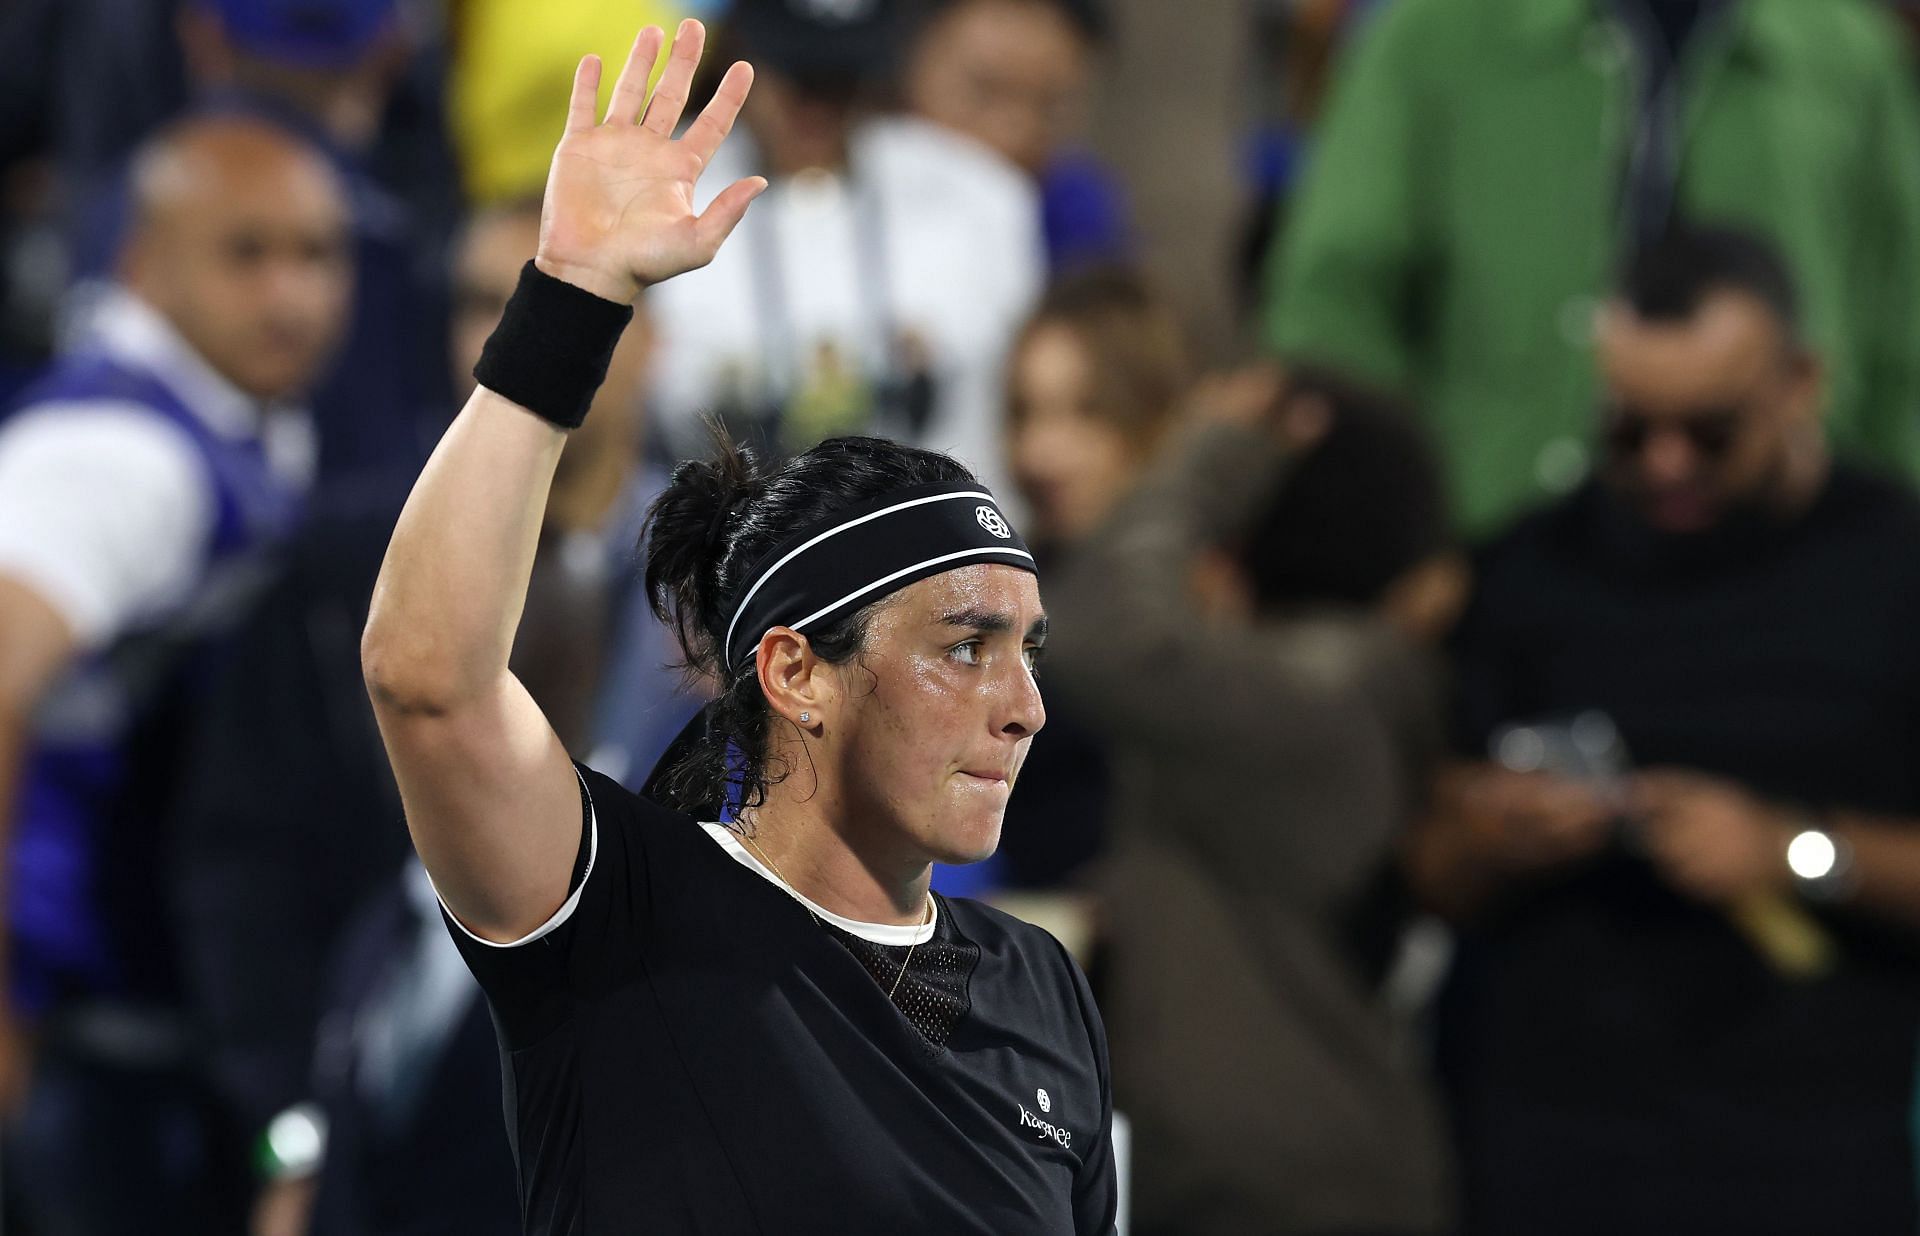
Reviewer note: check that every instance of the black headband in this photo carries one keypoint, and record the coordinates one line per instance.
(854, 557)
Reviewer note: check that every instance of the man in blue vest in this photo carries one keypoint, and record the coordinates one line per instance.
(142, 483)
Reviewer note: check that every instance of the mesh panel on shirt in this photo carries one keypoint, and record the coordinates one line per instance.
(933, 992)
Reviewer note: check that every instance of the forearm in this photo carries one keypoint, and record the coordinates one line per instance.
(488, 790)
(491, 797)
(1447, 877)
(1127, 599)
(1123, 597)
(37, 645)
(1210, 489)
(454, 582)
(1129, 580)
(1886, 864)
(1444, 856)
(14, 730)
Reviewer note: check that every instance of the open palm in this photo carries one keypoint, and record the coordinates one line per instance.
(619, 207)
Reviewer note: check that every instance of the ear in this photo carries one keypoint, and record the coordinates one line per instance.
(791, 677)
(1428, 597)
(132, 266)
(1807, 375)
(1220, 587)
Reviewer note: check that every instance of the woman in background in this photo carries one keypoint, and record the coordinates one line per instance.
(1094, 380)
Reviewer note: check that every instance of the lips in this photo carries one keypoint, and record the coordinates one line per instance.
(985, 774)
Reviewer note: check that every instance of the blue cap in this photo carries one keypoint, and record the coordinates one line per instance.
(318, 34)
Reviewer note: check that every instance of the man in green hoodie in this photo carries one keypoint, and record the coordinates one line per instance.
(1484, 165)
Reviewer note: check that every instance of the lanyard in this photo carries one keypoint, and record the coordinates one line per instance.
(1650, 185)
(780, 344)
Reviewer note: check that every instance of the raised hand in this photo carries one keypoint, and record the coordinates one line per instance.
(619, 206)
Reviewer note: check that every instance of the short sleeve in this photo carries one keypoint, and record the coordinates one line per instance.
(104, 511)
(592, 942)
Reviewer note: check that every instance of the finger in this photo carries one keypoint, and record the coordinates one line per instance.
(704, 135)
(1666, 845)
(1653, 795)
(1662, 784)
(1535, 850)
(724, 213)
(1569, 800)
(670, 96)
(1706, 877)
(1581, 832)
(631, 90)
(586, 88)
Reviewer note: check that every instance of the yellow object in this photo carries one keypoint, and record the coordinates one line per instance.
(1795, 943)
(512, 71)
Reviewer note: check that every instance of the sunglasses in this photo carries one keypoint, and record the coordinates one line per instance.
(1710, 435)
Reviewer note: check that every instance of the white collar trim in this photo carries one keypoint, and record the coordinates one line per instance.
(128, 329)
(892, 934)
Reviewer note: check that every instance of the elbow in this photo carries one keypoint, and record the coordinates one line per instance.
(403, 676)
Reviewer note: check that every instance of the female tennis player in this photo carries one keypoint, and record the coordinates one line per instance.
(771, 1025)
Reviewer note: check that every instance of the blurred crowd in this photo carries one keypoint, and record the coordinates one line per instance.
(1482, 766)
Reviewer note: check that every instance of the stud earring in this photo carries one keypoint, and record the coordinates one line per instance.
(805, 717)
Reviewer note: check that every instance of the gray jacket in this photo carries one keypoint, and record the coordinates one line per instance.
(1263, 776)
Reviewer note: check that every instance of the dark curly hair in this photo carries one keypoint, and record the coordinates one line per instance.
(704, 534)
(1358, 508)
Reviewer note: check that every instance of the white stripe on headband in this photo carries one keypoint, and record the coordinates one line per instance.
(884, 580)
(797, 550)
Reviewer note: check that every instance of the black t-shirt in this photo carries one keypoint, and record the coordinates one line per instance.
(690, 1051)
(1619, 1056)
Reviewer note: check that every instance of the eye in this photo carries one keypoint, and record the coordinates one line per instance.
(1031, 655)
(245, 250)
(967, 652)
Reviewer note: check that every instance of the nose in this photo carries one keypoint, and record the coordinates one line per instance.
(287, 288)
(1041, 448)
(1021, 714)
(1668, 458)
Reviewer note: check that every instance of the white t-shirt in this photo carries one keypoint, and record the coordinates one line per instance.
(928, 234)
(105, 506)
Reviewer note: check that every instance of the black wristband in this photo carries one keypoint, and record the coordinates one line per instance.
(550, 352)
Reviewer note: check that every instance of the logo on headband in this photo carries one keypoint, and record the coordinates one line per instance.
(993, 522)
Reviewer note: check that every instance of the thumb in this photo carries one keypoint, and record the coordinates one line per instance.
(724, 213)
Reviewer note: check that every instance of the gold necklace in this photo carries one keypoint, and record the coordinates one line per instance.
(775, 868)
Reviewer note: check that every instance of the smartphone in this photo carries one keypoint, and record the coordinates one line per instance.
(1584, 747)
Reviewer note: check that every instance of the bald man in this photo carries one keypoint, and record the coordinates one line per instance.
(142, 481)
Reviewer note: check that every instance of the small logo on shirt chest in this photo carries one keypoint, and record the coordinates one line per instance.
(1044, 1128)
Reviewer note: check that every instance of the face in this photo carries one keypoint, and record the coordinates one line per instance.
(796, 131)
(1071, 464)
(933, 721)
(248, 254)
(486, 268)
(1702, 415)
(1009, 73)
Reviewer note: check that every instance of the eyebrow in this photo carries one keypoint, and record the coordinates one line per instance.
(988, 622)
